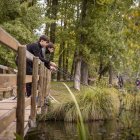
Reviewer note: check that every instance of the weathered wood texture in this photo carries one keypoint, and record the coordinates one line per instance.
(34, 88)
(8, 40)
(48, 84)
(40, 97)
(5, 69)
(8, 112)
(21, 91)
(9, 80)
(8, 118)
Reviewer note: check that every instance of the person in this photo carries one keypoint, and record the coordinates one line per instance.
(36, 50)
(120, 81)
(137, 83)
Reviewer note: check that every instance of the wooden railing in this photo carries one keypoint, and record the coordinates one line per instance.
(40, 81)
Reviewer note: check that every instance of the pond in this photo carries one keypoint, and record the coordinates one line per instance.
(126, 127)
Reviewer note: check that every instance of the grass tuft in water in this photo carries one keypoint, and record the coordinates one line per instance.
(98, 104)
(80, 125)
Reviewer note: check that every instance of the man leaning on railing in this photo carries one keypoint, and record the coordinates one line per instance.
(36, 50)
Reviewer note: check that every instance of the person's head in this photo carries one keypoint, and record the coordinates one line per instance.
(43, 40)
(50, 47)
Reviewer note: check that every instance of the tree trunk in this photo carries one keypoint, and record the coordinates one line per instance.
(100, 68)
(110, 74)
(67, 62)
(73, 65)
(81, 40)
(54, 8)
(48, 11)
(77, 75)
(59, 73)
(84, 73)
(64, 64)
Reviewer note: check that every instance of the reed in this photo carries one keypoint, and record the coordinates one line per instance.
(80, 125)
(98, 104)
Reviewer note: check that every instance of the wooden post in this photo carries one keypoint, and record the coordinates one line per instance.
(20, 111)
(34, 90)
(4, 71)
(48, 82)
(41, 70)
(44, 83)
(4, 94)
(43, 92)
(46, 92)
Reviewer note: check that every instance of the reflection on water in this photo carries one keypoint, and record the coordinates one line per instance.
(127, 127)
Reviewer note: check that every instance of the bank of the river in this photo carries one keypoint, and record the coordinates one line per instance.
(98, 103)
(127, 127)
(108, 114)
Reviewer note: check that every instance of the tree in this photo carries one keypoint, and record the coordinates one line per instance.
(25, 17)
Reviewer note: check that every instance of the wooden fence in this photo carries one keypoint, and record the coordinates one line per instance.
(40, 79)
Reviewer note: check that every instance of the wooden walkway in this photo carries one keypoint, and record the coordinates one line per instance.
(8, 117)
(15, 115)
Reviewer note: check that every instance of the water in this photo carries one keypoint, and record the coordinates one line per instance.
(127, 127)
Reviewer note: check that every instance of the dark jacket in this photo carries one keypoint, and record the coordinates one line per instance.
(36, 50)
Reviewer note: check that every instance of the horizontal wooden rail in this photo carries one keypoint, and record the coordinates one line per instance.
(12, 43)
(6, 89)
(8, 40)
(8, 80)
(8, 68)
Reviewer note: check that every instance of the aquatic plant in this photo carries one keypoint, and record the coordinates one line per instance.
(98, 104)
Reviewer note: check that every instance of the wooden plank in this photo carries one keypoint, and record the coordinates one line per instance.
(2, 112)
(3, 67)
(31, 56)
(21, 76)
(6, 119)
(34, 88)
(6, 89)
(11, 42)
(7, 80)
(7, 106)
(28, 78)
(8, 68)
(7, 116)
(41, 70)
(48, 82)
(8, 40)
(8, 133)
(44, 83)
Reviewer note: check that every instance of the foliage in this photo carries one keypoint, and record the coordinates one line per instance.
(110, 31)
(21, 21)
(98, 104)
(7, 57)
(9, 10)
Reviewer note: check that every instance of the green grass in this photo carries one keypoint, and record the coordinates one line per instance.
(98, 104)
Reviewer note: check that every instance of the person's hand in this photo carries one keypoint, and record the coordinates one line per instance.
(53, 69)
(53, 64)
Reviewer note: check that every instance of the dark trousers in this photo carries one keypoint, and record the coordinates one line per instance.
(29, 70)
(28, 89)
